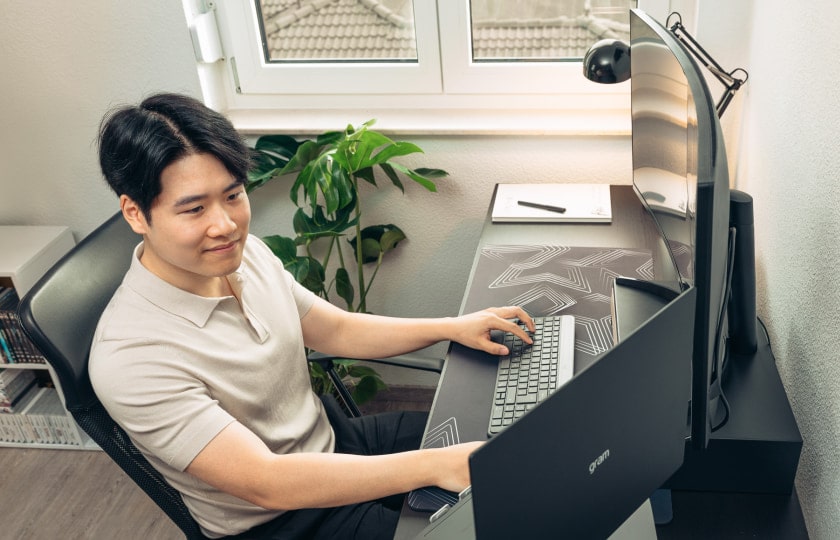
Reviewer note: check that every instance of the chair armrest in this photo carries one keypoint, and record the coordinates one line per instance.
(407, 361)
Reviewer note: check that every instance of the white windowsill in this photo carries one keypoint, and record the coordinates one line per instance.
(435, 121)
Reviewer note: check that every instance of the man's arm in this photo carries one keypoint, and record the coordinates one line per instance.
(331, 330)
(236, 461)
(314, 480)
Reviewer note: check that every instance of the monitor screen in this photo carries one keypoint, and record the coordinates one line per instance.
(681, 176)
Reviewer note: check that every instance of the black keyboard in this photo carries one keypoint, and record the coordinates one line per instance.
(530, 373)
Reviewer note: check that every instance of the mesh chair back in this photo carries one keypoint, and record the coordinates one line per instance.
(60, 314)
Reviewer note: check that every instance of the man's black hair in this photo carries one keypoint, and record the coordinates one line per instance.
(136, 143)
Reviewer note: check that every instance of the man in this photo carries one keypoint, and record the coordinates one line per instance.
(200, 357)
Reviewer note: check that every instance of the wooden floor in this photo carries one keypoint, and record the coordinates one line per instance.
(46, 494)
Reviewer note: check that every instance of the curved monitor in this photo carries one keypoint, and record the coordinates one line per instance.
(680, 174)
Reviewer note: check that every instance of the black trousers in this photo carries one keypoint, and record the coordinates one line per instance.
(378, 434)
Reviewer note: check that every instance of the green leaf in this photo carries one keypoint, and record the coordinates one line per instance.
(300, 269)
(431, 173)
(358, 371)
(359, 148)
(306, 152)
(373, 237)
(283, 147)
(392, 174)
(329, 138)
(324, 175)
(301, 183)
(258, 178)
(284, 248)
(391, 238)
(414, 175)
(400, 148)
(344, 287)
(261, 175)
(344, 363)
(317, 226)
(345, 189)
(366, 174)
(366, 389)
(319, 379)
(322, 179)
(263, 161)
(317, 369)
(267, 162)
(370, 250)
(308, 272)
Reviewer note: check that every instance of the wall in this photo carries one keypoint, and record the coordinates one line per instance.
(64, 64)
(789, 164)
(780, 134)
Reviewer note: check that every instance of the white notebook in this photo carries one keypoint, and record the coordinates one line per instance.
(552, 203)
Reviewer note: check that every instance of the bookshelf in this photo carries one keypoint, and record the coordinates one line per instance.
(31, 394)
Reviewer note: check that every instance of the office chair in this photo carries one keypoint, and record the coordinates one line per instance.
(60, 313)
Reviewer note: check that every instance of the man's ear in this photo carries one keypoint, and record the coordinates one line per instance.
(133, 215)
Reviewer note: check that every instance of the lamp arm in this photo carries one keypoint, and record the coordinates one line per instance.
(727, 78)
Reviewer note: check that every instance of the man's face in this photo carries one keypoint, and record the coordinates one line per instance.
(198, 228)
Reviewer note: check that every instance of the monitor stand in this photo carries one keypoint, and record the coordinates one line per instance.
(757, 449)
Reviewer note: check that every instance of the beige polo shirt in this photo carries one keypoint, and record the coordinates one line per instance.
(174, 369)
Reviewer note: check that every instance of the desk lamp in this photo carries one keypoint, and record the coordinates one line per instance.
(608, 61)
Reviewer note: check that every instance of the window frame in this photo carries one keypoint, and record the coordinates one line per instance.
(256, 76)
(525, 98)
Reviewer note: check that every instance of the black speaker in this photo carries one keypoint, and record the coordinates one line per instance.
(741, 313)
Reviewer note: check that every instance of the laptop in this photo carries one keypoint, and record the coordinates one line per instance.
(584, 460)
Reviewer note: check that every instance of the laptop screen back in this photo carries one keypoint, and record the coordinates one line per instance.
(585, 459)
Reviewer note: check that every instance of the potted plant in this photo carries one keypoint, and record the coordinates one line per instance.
(329, 170)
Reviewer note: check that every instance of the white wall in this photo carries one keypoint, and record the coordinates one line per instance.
(789, 163)
(781, 134)
(64, 64)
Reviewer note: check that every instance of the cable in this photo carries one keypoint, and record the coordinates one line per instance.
(730, 266)
(725, 419)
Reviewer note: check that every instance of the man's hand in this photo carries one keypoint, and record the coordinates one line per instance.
(473, 330)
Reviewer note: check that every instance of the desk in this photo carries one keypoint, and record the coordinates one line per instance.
(464, 390)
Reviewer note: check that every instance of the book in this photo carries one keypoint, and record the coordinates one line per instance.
(8, 299)
(41, 420)
(15, 342)
(560, 203)
(6, 356)
(10, 431)
(44, 420)
(15, 427)
(14, 383)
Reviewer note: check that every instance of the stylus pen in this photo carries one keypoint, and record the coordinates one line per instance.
(558, 209)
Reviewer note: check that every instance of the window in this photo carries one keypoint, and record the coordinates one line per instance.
(337, 31)
(426, 65)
